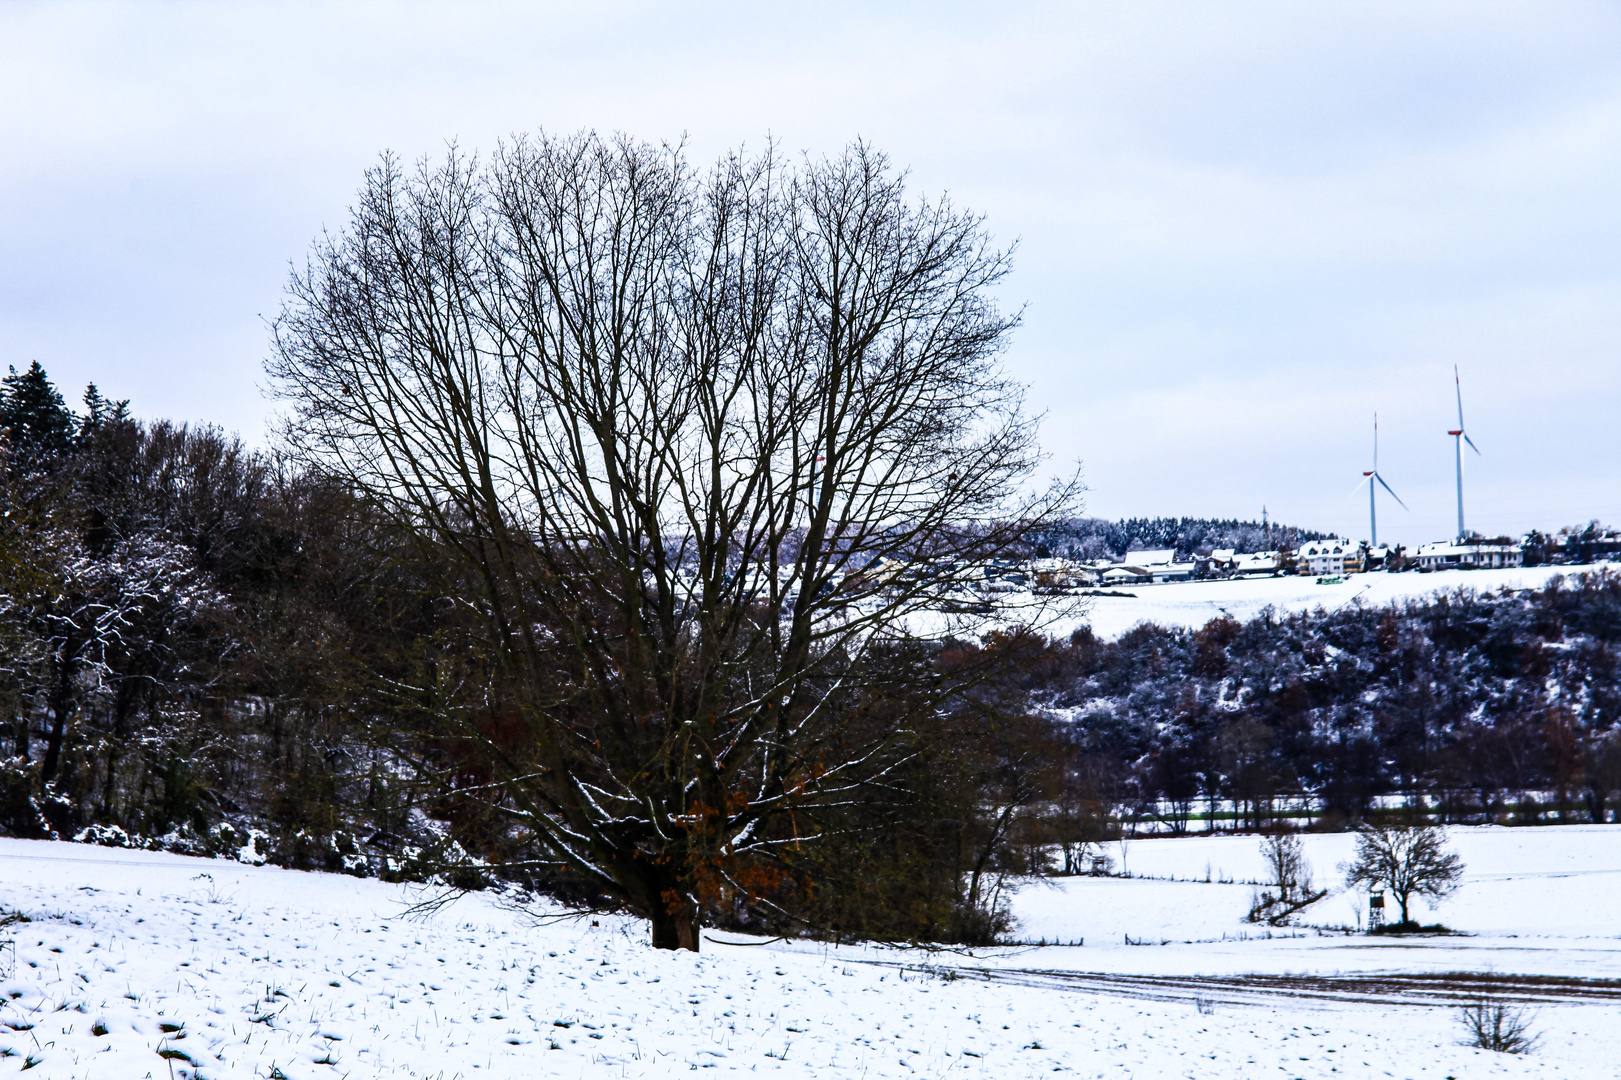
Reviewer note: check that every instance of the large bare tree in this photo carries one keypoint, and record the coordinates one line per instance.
(695, 443)
(1407, 859)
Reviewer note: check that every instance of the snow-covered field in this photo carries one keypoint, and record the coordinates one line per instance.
(239, 971)
(1194, 603)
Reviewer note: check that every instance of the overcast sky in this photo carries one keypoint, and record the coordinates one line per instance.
(1243, 228)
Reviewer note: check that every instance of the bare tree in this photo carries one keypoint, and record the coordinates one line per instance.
(692, 446)
(1408, 860)
(1291, 885)
(1285, 858)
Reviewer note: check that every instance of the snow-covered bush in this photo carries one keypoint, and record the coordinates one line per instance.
(107, 836)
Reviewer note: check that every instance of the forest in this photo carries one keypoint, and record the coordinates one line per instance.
(204, 650)
(1095, 538)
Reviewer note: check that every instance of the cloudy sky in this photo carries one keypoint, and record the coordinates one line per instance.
(1244, 228)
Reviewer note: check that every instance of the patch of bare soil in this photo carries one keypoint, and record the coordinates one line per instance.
(1430, 989)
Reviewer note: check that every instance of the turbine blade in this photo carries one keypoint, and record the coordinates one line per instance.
(1375, 442)
(1386, 486)
(1364, 480)
(1458, 386)
(1471, 443)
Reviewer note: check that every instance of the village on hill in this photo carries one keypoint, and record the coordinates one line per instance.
(1330, 559)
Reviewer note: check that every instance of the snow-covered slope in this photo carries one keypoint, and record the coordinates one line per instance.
(1192, 604)
(143, 964)
(1543, 901)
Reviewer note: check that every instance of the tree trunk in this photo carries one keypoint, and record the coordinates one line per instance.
(115, 745)
(997, 832)
(677, 929)
(53, 748)
(60, 702)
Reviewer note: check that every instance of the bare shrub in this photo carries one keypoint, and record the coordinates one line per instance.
(1498, 1026)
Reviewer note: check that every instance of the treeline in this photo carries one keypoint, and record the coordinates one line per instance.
(205, 649)
(1470, 700)
(1471, 707)
(1573, 544)
(1467, 708)
(1095, 538)
(187, 632)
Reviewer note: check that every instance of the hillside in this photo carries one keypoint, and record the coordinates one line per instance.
(150, 965)
(1191, 604)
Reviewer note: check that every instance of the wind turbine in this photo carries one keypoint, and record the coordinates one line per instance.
(1459, 437)
(1371, 477)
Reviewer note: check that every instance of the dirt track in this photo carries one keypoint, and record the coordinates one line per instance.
(1431, 990)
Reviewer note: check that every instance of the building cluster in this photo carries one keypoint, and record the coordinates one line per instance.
(1568, 547)
(1331, 557)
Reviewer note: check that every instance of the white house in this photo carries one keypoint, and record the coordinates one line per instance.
(1177, 571)
(1318, 557)
(1472, 554)
(1127, 575)
(1259, 562)
(1061, 574)
(1160, 566)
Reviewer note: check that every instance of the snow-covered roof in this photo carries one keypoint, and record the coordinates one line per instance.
(1444, 548)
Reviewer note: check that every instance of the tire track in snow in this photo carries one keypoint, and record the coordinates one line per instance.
(1430, 990)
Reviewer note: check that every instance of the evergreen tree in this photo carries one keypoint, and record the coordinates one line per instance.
(37, 425)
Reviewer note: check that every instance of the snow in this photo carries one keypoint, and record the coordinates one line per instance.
(1192, 604)
(257, 972)
(1556, 886)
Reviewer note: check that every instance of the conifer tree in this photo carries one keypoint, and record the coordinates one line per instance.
(37, 425)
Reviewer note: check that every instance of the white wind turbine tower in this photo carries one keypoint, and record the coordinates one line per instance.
(1459, 437)
(1372, 478)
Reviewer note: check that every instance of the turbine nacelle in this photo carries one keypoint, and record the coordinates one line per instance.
(1372, 478)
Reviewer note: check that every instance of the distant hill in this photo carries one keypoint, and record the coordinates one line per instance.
(1095, 538)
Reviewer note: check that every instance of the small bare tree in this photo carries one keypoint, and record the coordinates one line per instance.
(1409, 860)
(1291, 885)
(1286, 858)
(693, 448)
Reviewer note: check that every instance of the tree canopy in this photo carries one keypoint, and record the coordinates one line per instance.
(697, 449)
